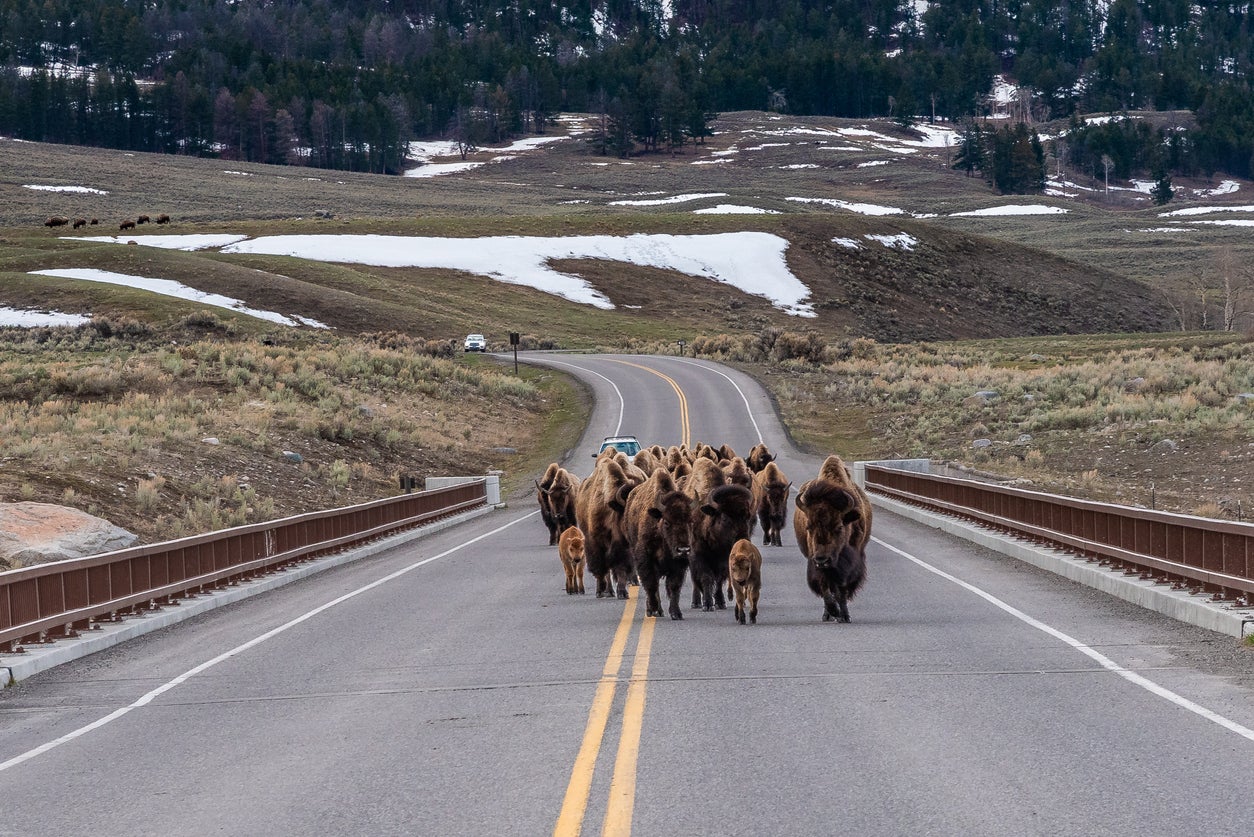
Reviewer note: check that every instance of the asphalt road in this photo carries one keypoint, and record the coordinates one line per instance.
(451, 687)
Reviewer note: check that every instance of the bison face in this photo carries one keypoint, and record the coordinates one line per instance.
(827, 515)
(673, 514)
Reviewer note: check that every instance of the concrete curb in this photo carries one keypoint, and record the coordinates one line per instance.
(15, 667)
(1177, 604)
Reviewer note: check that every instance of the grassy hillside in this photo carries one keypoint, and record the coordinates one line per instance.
(113, 418)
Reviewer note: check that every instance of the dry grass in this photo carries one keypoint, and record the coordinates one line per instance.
(170, 440)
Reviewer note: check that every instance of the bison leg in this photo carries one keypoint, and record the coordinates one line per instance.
(754, 592)
(673, 584)
(603, 586)
(740, 603)
(719, 602)
(775, 538)
(649, 584)
(620, 576)
(842, 605)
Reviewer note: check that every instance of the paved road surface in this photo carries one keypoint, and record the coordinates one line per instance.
(451, 687)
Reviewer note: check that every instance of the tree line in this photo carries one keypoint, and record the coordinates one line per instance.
(325, 83)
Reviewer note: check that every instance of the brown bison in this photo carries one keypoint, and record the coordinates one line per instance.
(555, 493)
(142, 219)
(126, 225)
(744, 571)
(832, 522)
(93, 222)
(758, 457)
(723, 515)
(57, 221)
(659, 533)
(770, 502)
(599, 507)
(163, 219)
(570, 548)
(79, 222)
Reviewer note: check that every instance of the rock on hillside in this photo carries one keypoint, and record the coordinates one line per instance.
(37, 533)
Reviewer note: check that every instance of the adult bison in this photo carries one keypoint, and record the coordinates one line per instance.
(659, 533)
(555, 492)
(599, 507)
(759, 456)
(770, 502)
(722, 518)
(832, 522)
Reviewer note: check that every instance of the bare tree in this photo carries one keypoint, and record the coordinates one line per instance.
(1235, 281)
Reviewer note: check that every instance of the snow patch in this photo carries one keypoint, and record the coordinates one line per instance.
(672, 199)
(901, 241)
(860, 208)
(21, 318)
(86, 190)
(754, 262)
(167, 287)
(1014, 209)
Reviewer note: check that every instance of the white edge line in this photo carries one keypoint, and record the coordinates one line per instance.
(144, 700)
(622, 404)
(743, 397)
(1101, 659)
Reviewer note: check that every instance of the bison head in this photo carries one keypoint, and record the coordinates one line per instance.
(728, 510)
(673, 512)
(828, 514)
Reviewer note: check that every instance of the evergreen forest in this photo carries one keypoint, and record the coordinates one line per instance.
(347, 85)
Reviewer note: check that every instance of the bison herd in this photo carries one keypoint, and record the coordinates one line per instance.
(77, 223)
(692, 511)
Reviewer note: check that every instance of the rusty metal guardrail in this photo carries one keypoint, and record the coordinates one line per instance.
(59, 599)
(1194, 553)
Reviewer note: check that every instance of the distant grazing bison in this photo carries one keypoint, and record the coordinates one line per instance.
(57, 221)
(94, 221)
(126, 225)
(79, 222)
(744, 571)
(832, 522)
(570, 549)
(163, 219)
(143, 219)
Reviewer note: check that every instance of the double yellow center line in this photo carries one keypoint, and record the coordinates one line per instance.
(622, 796)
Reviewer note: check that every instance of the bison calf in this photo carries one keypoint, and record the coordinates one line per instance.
(570, 550)
(744, 571)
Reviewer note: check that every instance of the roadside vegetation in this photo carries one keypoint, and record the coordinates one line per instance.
(1158, 421)
(172, 438)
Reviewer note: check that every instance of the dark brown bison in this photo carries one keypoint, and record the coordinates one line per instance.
(163, 219)
(659, 533)
(94, 221)
(758, 457)
(744, 572)
(770, 502)
(832, 523)
(79, 222)
(57, 221)
(126, 225)
(722, 518)
(570, 548)
(142, 219)
(599, 507)
(555, 493)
